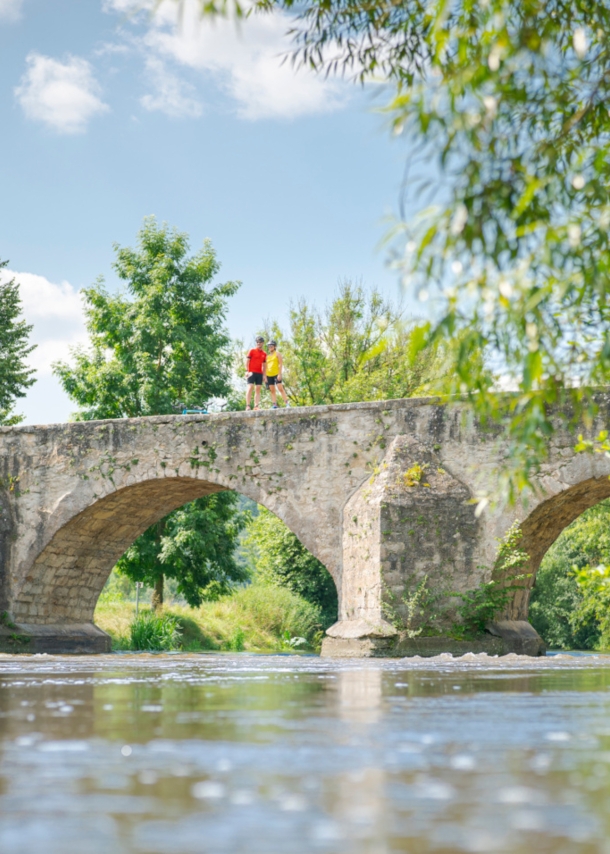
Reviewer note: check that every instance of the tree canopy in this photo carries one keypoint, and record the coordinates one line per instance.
(15, 375)
(159, 344)
(358, 348)
(195, 545)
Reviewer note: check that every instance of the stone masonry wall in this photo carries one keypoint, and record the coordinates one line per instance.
(73, 497)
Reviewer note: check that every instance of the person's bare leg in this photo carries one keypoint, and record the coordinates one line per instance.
(283, 392)
(273, 395)
(257, 396)
(249, 395)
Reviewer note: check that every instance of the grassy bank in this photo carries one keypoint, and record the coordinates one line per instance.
(258, 618)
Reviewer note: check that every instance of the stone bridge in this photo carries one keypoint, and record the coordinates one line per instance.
(344, 479)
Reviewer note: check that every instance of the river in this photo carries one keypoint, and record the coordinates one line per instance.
(182, 754)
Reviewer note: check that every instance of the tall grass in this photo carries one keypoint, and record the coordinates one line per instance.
(258, 618)
(150, 631)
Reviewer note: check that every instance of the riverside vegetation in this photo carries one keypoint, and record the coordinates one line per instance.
(256, 618)
(285, 603)
(570, 605)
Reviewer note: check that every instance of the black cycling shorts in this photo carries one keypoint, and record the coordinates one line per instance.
(274, 380)
(255, 379)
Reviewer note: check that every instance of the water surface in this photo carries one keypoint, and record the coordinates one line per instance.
(180, 754)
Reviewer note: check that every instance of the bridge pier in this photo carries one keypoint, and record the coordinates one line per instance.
(58, 639)
(410, 539)
(503, 637)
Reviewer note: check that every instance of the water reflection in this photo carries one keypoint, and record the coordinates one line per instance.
(360, 695)
(261, 755)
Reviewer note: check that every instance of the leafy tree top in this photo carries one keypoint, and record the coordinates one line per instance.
(15, 375)
(357, 349)
(159, 344)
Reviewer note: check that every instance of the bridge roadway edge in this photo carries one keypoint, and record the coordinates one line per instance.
(340, 491)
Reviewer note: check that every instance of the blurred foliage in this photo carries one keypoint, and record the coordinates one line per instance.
(503, 105)
(359, 348)
(118, 588)
(161, 343)
(569, 606)
(15, 375)
(279, 558)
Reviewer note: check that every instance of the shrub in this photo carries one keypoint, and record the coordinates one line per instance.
(487, 601)
(150, 631)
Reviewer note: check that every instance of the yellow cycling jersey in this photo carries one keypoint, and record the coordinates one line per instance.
(273, 364)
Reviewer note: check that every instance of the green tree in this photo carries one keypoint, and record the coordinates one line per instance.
(279, 558)
(504, 107)
(195, 545)
(15, 376)
(161, 343)
(562, 610)
(357, 349)
(594, 608)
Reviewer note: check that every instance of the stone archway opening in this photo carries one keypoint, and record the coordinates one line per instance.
(265, 553)
(560, 609)
(60, 592)
(547, 522)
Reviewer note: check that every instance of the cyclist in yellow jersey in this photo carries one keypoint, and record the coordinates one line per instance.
(275, 363)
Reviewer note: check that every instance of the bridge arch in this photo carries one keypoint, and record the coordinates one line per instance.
(546, 522)
(66, 577)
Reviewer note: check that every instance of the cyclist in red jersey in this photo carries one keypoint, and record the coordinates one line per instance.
(256, 369)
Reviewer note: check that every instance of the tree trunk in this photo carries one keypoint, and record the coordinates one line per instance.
(157, 597)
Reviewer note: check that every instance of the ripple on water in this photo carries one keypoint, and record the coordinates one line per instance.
(232, 753)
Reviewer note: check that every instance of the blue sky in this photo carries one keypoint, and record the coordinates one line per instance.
(109, 115)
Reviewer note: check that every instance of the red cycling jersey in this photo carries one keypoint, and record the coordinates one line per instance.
(257, 359)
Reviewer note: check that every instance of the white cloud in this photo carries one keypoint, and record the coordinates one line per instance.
(62, 95)
(44, 299)
(10, 10)
(172, 96)
(56, 313)
(128, 7)
(245, 60)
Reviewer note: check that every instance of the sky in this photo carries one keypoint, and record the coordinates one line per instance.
(109, 114)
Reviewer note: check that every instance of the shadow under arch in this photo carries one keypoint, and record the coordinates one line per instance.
(546, 522)
(65, 580)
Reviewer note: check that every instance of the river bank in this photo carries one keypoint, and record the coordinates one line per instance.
(257, 618)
